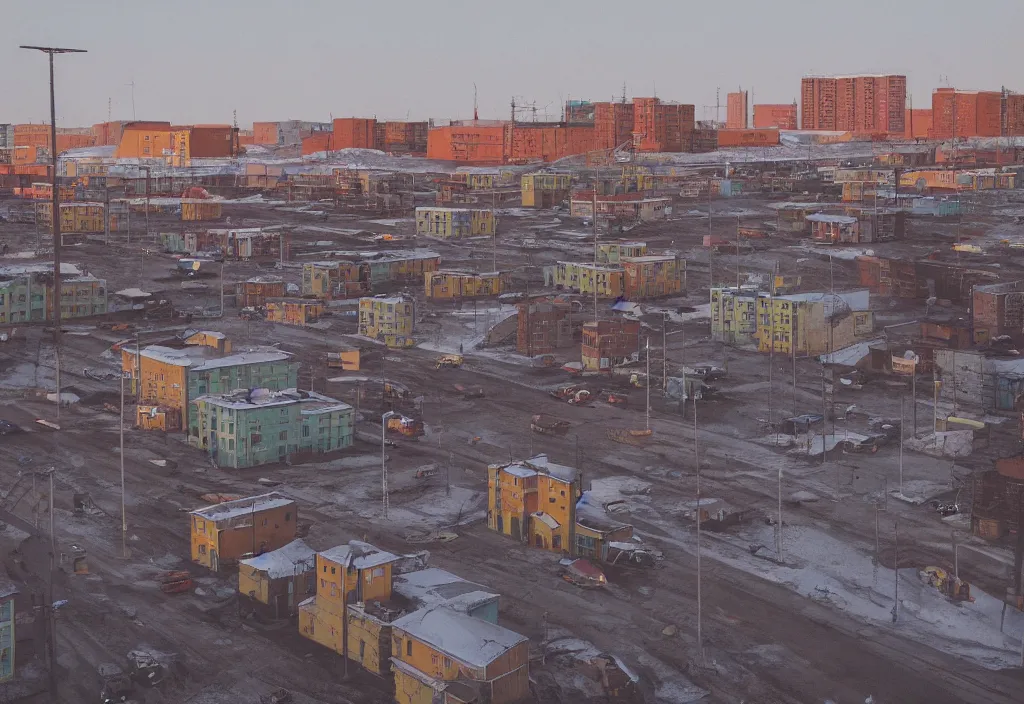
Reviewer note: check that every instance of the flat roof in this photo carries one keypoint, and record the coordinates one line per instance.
(66, 269)
(838, 219)
(433, 587)
(245, 399)
(240, 507)
(469, 640)
(650, 258)
(363, 555)
(239, 358)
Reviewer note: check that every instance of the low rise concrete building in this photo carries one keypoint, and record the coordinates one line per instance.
(446, 284)
(390, 319)
(614, 252)
(545, 190)
(225, 533)
(652, 276)
(258, 426)
(454, 223)
(26, 293)
(271, 585)
(609, 343)
(543, 326)
(998, 310)
(534, 502)
(583, 277)
(296, 312)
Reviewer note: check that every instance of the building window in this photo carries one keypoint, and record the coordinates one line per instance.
(288, 516)
(408, 647)
(202, 549)
(334, 570)
(447, 663)
(362, 650)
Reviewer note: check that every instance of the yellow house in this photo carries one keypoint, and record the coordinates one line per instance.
(387, 318)
(534, 501)
(812, 323)
(224, 533)
(734, 315)
(208, 338)
(460, 284)
(583, 277)
(358, 576)
(613, 252)
(544, 190)
(454, 223)
(271, 585)
(441, 655)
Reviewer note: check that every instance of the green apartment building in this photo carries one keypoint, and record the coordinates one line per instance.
(250, 428)
(7, 593)
(245, 370)
(26, 293)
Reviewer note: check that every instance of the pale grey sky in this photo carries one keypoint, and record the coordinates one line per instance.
(197, 61)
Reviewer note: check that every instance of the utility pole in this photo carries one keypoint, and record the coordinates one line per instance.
(595, 252)
(55, 204)
(896, 573)
(647, 422)
(901, 444)
(124, 518)
(778, 546)
(711, 244)
(696, 455)
(664, 350)
(913, 387)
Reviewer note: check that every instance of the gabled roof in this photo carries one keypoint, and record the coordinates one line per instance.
(240, 507)
(363, 555)
(291, 559)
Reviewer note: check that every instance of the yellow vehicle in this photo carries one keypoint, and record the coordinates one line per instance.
(449, 361)
(405, 426)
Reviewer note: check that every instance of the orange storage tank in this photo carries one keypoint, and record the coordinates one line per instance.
(748, 138)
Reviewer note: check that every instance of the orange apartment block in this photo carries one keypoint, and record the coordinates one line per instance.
(736, 111)
(354, 133)
(782, 116)
(473, 142)
(224, 533)
(859, 104)
(176, 144)
(662, 127)
(264, 132)
(966, 113)
(318, 142)
(918, 123)
(613, 125)
(107, 134)
(548, 142)
(144, 140)
(32, 136)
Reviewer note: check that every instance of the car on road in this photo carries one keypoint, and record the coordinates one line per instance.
(7, 427)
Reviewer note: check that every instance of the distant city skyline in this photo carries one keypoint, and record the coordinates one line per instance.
(316, 59)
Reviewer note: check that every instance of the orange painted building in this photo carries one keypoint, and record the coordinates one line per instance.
(107, 134)
(613, 124)
(860, 104)
(736, 111)
(966, 113)
(748, 138)
(662, 127)
(32, 136)
(354, 133)
(264, 132)
(144, 140)
(318, 142)
(224, 533)
(472, 142)
(918, 124)
(548, 142)
(782, 116)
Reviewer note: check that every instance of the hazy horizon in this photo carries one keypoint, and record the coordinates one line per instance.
(195, 62)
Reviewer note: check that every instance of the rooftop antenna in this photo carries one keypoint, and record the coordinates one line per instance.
(132, 86)
(476, 114)
(513, 109)
(623, 91)
(108, 109)
(234, 118)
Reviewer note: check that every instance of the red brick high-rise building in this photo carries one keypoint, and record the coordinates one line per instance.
(861, 104)
(736, 111)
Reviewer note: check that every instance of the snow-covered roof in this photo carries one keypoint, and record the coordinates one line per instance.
(209, 333)
(293, 558)
(363, 555)
(851, 355)
(434, 587)
(837, 219)
(647, 258)
(546, 519)
(242, 358)
(132, 293)
(24, 269)
(518, 470)
(559, 471)
(471, 641)
(173, 356)
(240, 507)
